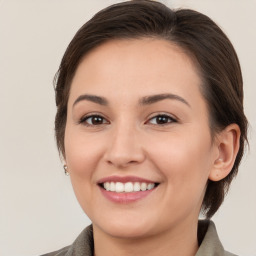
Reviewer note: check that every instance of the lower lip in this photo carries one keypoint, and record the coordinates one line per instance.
(125, 197)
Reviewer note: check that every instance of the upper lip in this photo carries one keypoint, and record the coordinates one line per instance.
(124, 179)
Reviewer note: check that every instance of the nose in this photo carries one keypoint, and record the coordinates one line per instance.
(124, 148)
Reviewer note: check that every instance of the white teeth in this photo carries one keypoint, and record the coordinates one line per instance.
(128, 186)
(136, 186)
(150, 186)
(107, 186)
(119, 187)
(112, 186)
(143, 186)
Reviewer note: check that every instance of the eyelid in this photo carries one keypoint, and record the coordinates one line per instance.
(83, 119)
(155, 115)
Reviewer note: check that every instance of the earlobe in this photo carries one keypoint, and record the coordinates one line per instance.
(228, 142)
(65, 167)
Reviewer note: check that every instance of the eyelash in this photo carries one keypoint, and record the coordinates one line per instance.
(84, 120)
(170, 119)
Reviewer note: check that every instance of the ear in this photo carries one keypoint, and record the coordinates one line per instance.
(227, 142)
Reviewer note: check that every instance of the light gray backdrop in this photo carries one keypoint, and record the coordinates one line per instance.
(38, 211)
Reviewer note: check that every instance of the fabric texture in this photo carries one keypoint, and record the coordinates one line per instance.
(208, 240)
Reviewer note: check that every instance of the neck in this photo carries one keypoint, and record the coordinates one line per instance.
(180, 241)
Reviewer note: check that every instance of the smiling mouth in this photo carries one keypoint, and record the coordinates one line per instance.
(127, 187)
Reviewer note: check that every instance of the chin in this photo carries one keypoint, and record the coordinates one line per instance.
(126, 228)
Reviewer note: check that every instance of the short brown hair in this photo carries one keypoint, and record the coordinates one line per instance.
(195, 33)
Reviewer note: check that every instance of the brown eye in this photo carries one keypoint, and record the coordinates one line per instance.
(162, 119)
(94, 120)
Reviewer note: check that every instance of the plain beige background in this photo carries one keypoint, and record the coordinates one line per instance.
(38, 211)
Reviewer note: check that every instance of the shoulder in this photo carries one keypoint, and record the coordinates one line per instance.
(207, 235)
(229, 254)
(61, 252)
(83, 245)
(209, 241)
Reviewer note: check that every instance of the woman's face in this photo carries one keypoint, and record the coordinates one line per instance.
(137, 120)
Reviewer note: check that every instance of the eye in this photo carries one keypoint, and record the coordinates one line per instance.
(93, 120)
(162, 119)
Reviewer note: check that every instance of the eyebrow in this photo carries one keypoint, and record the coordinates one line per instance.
(93, 98)
(147, 100)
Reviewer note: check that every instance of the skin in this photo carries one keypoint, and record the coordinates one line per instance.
(180, 154)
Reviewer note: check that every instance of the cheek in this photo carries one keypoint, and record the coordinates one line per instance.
(82, 158)
(82, 152)
(185, 161)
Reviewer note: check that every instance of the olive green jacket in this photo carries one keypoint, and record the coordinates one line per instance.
(208, 239)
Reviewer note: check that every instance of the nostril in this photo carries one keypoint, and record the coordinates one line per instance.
(122, 162)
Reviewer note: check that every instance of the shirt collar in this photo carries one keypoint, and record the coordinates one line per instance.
(209, 243)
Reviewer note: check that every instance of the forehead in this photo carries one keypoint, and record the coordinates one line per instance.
(136, 66)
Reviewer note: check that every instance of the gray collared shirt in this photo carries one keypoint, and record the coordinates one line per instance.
(209, 243)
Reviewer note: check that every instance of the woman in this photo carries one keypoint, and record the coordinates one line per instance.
(151, 127)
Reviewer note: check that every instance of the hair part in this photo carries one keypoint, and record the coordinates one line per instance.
(198, 36)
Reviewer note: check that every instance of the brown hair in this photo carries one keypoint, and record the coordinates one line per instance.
(198, 35)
